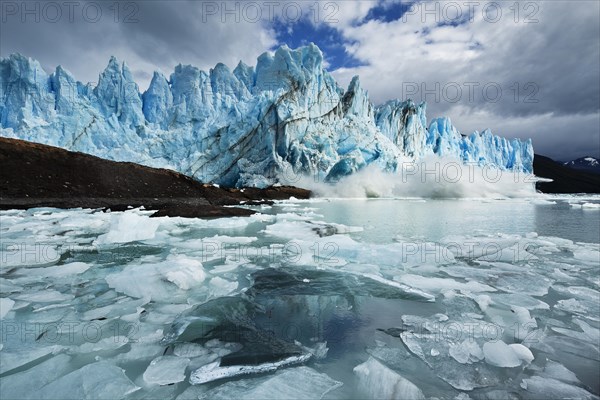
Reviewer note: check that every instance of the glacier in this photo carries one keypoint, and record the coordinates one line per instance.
(250, 126)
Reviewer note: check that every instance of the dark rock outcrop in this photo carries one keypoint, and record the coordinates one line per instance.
(36, 175)
(564, 179)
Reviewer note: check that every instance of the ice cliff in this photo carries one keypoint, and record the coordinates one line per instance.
(247, 127)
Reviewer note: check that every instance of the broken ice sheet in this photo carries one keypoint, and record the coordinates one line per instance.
(190, 350)
(379, 382)
(99, 380)
(501, 355)
(524, 283)
(558, 371)
(57, 271)
(6, 305)
(25, 385)
(549, 388)
(301, 383)
(107, 344)
(12, 358)
(44, 296)
(437, 285)
(129, 226)
(446, 349)
(165, 370)
(159, 280)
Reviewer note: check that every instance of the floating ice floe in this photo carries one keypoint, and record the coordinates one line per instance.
(549, 388)
(6, 305)
(379, 382)
(499, 354)
(157, 280)
(106, 344)
(26, 384)
(560, 372)
(129, 226)
(591, 206)
(466, 352)
(438, 285)
(301, 383)
(165, 370)
(99, 380)
(17, 357)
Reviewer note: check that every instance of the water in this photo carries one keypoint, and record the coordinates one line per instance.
(392, 297)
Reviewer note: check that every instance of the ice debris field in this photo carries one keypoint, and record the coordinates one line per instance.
(290, 304)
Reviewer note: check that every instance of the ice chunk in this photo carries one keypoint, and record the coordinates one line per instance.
(99, 380)
(129, 227)
(524, 283)
(165, 370)
(45, 296)
(7, 286)
(589, 334)
(522, 352)
(558, 371)
(107, 344)
(188, 273)
(518, 299)
(570, 345)
(6, 305)
(15, 358)
(158, 280)
(190, 350)
(548, 388)
(591, 206)
(59, 271)
(28, 254)
(436, 354)
(587, 254)
(301, 383)
(380, 382)
(25, 385)
(578, 307)
(222, 287)
(501, 355)
(466, 352)
(438, 285)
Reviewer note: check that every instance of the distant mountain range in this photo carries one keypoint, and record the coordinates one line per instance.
(565, 179)
(588, 164)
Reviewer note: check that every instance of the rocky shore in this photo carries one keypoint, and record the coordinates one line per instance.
(37, 175)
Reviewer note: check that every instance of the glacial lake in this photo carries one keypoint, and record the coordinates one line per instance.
(326, 298)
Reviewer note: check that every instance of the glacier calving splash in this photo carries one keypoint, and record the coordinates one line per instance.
(246, 127)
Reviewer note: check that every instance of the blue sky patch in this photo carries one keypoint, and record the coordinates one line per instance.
(329, 40)
(387, 12)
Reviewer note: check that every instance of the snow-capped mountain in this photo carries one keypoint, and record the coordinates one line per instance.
(589, 164)
(246, 127)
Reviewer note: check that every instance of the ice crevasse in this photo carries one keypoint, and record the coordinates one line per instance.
(242, 127)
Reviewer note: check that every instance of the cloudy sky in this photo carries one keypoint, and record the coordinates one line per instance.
(528, 69)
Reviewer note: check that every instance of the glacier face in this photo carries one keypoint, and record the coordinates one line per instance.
(247, 127)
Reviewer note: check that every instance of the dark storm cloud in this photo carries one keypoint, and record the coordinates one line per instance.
(535, 73)
(147, 35)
